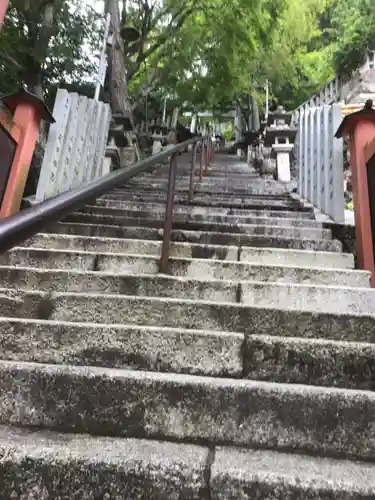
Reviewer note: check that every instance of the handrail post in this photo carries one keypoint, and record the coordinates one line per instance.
(211, 152)
(205, 155)
(168, 218)
(201, 161)
(28, 222)
(192, 171)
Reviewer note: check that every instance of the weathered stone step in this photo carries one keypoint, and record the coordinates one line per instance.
(201, 196)
(311, 233)
(202, 269)
(180, 208)
(266, 475)
(212, 175)
(262, 294)
(198, 352)
(204, 201)
(290, 257)
(317, 362)
(198, 237)
(149, 194)
(252, 187)
(239, 182)
(105, 466)
(265, 256)
(308, 297)
(231, 220)
(127, 403)
(201, 210)
(179, 313)
(145, 247)
(206, 189)
(43, 464)
(144, 285)
(177, 350)
(181, 192)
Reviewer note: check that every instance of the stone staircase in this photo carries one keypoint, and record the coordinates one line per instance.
(245, 373)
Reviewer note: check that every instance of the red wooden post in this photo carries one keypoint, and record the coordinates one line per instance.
(28, 111)
(3, 9)
(359, 127)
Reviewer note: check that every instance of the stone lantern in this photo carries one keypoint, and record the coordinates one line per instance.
(280, 136)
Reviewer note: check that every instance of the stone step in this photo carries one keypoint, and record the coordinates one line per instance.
(292, 360)
(308, 297)
(198, 237)
(145, 285)
(44, 464)
(202, 195)
(198, 210)
(231, 220)
(311, 233)
(317, 362)
(290, 257)
(149, 247)
(182, 194)
(252, 187)
(239, 182)
(206, 189)
(251, 292)
(176, 350)
(212, 175)
(184, 313)
(188, 408)
(204, 201)
(265, 256)
(267, 475)
(105, 466)
(202, 269)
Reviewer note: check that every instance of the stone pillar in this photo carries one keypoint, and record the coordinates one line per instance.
(283, 161)
(238, 128)
(193, 125)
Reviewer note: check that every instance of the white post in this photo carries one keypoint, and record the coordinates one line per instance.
(174, 117)
(193, 124)
(283, 161)
(324, 154)
(238, 129)
(164, 110)
(54, 148)
(301, 157)
(305, 153)
(267, 100)
(336, 167)
(317, 158)
(310, 194)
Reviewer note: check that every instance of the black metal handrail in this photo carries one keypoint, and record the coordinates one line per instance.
(28, 222)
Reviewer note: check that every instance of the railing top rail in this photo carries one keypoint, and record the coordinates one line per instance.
(24, 224)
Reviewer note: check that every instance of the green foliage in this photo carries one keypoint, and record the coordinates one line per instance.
(352, 33)
(41, 47)
(200, 53)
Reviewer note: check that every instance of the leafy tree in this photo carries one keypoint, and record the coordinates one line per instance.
(352, 33)
(45, 42)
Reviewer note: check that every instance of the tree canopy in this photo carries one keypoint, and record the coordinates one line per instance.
(198, 53)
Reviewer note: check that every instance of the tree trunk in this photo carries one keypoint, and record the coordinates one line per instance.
(119, 96)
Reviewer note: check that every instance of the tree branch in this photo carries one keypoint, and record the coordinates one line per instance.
(182, 15)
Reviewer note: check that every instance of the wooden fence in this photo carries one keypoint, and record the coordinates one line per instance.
(76, 144)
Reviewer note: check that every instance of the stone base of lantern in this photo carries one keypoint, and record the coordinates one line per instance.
(282, 152)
